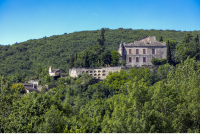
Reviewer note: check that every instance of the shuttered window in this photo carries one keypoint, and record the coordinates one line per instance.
(137, 51)
(137, 59)
(144, 59)
(144, 51)
(130, 51)
(153, 51)
(130, 60)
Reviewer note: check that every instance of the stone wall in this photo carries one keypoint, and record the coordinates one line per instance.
(128, 51)
(33, 82)
(160, 53)
(97, 73)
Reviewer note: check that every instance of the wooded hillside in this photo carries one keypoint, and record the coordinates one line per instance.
(27, 57)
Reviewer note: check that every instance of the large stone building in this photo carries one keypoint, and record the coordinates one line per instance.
(137, 54)
(97, 73)
(140, 52)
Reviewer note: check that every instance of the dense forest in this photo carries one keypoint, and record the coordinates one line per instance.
(164, 99)
(139, 100)
(27, 57)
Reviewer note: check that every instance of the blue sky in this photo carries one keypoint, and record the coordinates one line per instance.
(21, 20)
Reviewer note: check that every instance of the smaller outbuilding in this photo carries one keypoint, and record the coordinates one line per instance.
(56, 73)
(30, 87)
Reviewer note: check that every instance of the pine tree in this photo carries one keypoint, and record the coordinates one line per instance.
(168, 53)
(197, 38)
(85, 62)
(75, 59)
(161, 38)
(71, 63)
(102, 39)
(187, 38)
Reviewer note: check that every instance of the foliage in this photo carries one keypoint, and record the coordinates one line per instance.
(188, 47)
(139, 100)
(163, 100)
(102, 39)
(18, 88)
(169, 55)
(115, 58)
(27, 57)
(156, 61)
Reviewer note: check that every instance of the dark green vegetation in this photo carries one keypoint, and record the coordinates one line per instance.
(139, 100)
(95, 56)
(27, 57)
(166, 99)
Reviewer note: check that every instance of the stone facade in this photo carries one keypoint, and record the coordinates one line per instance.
(33, 82)
(97, 73)
(137, 54)
(56, 72)
(140, 52)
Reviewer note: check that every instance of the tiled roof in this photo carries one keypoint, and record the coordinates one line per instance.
(29, 87)
(146, 41)
(55, 70)
(138, 43)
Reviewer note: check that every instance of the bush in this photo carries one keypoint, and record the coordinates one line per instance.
(18, 88)
(156, 61)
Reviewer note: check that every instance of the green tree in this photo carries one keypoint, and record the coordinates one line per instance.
(187, 38)
(71, 64)
(54, 122)
(114, 58)
(156, 61)
(18, 88)
(102, 39)
(169, 60)
(197, 38)
(161, 38)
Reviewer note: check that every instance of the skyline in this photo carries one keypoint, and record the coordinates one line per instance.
(23, 20)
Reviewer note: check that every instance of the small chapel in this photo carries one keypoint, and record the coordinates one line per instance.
(140, 53)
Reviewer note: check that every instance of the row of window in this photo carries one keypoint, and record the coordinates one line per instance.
(92, 71)
(144, 51)
(137, 59)
(98, 74)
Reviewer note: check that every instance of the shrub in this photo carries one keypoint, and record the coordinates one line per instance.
(156, 61)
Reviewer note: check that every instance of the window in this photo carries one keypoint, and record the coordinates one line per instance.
(144, 59)
(153, 51)
(144, 51)
(130, 51)
(137, 59)
(137, 51)
(130, 60)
